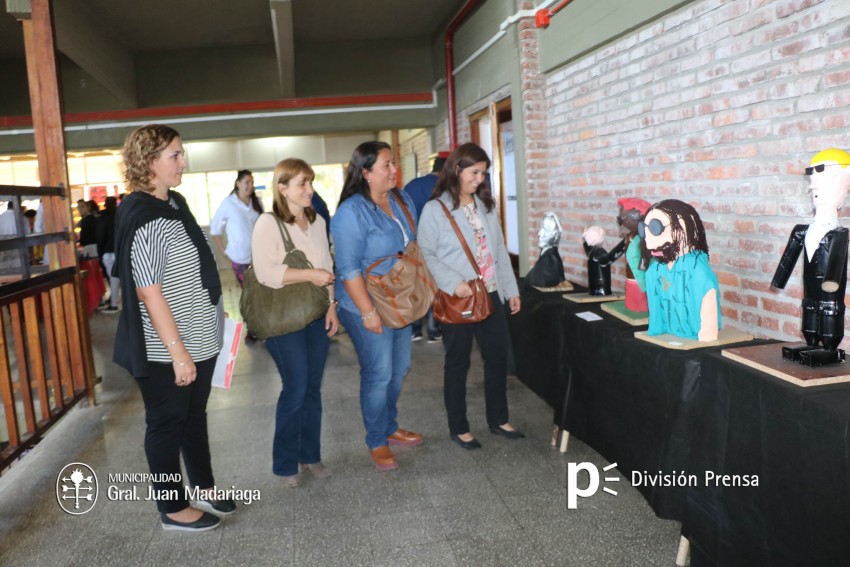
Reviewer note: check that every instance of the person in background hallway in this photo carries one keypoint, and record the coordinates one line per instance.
(88, 228)
(170, 328)
(322, 210)
(9, 226)
(235, 217)
(300, 356)
(420, 190)
(464, 189)
(106, 250)
(369, 225)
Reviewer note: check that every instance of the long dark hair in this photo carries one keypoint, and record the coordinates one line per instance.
(255, 201)
(364, 157)
(693, 234)
(463, 156)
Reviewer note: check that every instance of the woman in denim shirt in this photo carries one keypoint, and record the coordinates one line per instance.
(370, 224)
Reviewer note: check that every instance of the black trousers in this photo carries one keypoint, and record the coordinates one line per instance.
(492, 338)
(176, 418)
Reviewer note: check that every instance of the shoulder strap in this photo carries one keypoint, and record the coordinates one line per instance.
(461, 238)
(400, 201)
(284, 234)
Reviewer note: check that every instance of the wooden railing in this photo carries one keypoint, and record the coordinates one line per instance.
(45, 349)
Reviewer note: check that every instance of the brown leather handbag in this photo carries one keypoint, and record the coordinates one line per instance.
(405, 293)
(454, 310)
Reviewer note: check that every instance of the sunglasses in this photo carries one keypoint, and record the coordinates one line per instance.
(820, 167)
(631, 215)
(655, 226)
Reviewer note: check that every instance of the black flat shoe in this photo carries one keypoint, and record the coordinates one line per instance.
(220, 507)
(513, 435)
(469, 445)
(204, 523)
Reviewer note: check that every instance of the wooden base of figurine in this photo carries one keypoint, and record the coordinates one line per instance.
(587, 298)
(724, 337)
(619, 310)
(561, 287)
(768, 358)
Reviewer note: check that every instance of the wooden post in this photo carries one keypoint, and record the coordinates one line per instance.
(49, 134)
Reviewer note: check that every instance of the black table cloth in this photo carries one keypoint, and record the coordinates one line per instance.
(652, 410)
(797, 441)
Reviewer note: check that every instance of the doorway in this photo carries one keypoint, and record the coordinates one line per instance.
(492, 129)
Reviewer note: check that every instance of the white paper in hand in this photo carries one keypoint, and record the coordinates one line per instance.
(227, 357)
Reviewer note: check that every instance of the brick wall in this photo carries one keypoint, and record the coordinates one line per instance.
(420, 145)
(721, 104)
(535, 119)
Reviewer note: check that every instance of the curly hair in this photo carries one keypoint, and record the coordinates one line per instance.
(142, 146)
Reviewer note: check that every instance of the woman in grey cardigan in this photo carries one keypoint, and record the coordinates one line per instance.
(463, 188)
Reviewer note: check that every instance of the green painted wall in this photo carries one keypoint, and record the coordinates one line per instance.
(198, 76)
(584, 25)
(494, 68)
(368, 67)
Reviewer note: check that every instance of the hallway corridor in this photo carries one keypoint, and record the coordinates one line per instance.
(502, 505)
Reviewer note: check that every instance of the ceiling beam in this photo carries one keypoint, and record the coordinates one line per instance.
(284, 42)
(107, 62)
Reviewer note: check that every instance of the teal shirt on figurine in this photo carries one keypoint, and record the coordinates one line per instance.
(675, 294)
(681, 290)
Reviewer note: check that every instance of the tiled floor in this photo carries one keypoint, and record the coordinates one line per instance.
(502, 505)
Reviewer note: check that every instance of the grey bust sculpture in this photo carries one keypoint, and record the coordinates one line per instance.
(549, 269)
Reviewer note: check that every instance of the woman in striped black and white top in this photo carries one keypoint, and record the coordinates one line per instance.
(170, 330)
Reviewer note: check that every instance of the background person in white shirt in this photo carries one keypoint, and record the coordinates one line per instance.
(235, 218)
(9, 225)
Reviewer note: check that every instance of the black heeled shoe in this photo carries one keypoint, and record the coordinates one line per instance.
(512, 435)
(469, 445)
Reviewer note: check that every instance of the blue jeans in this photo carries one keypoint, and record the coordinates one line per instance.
(300, 358)
(384, 361)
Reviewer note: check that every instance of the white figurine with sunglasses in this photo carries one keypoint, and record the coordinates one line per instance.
(825, 266)
(681, 289)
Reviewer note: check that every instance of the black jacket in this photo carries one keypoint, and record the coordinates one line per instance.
(136, 210)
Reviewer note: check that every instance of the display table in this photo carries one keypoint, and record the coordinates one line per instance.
(652, 409)
(93, 284)
(797, 440)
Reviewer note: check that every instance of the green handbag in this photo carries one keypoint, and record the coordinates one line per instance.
(271, 312)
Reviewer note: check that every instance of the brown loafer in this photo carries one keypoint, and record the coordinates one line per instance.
(405, 438)
(383, 458)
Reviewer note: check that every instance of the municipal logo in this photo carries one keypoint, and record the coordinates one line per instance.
(76, 488)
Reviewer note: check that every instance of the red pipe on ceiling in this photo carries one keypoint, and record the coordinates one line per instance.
(450, 66)
(225, 108)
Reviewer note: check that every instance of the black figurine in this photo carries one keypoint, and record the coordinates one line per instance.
(825, 262)
(599, 261)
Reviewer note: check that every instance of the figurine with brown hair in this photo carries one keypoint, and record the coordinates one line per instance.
(682, 291)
